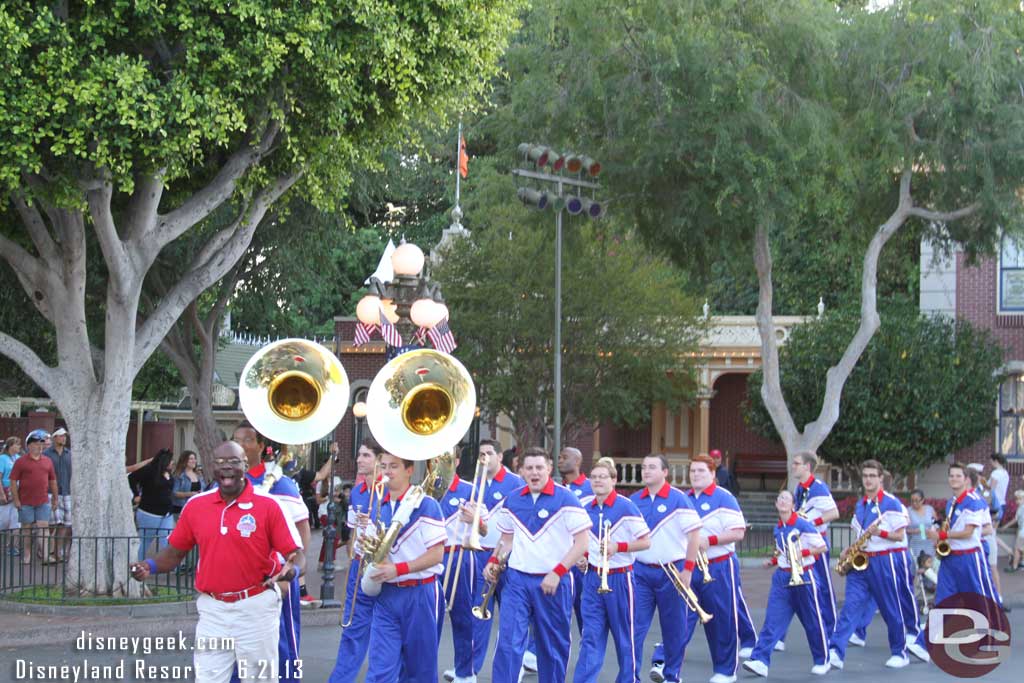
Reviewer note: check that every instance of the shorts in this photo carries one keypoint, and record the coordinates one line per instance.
(30, 514)
(9, 517)
(62, 515)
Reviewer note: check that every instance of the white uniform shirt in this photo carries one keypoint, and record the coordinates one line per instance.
(671, 516)
(893, 515)
(967, 508)
(542, 529)
(424, 530)
(719, 512)
(626, 525)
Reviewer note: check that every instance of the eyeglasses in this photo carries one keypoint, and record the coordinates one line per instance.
(650, 467)
(227, 461)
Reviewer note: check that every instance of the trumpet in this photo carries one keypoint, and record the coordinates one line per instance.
(373, 529)
(942, 548)
(704, 565)
(481, 611)
(604, 531)
(685, 592)
(472, 539)
(794, 554)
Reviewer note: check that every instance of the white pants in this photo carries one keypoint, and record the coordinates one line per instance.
(254, 625)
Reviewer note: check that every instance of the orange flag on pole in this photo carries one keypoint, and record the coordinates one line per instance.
(463, 158)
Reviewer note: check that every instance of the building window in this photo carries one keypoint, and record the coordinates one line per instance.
(1011, 417)
(1011, 275)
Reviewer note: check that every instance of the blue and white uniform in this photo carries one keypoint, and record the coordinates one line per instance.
(965, 569)
(784, 600)
(461, 615)
(355, 638)
(503, 485)
(671, 516)
(286, 492)
(542, 527)
(610, 612)
(813, 500)
(581, 488)
(881, 580)
(719, 512)
(403, 635)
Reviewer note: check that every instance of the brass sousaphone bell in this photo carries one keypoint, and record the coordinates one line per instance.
(420, 404)
(294, 391)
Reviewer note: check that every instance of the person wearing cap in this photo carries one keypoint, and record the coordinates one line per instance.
(242, 534)
(32, 477)
(723, 477)
(60, 455)
(8, 513)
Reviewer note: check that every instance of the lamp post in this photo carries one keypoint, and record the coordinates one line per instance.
(575, 165)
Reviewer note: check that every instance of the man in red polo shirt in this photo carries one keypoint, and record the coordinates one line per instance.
(241, 535)
(32, 479)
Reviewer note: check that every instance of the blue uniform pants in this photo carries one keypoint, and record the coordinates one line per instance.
(355, 639)
(460, 615)
(826, 596)
(289, 668)
(748, 635)
(403, 637)
(964, 574)
(607, 613)
(783, 602)
(908, 601)
(481, 628)
(720, 598)
(880, 583)
(522, 605)
(653, 591)
(577, 595)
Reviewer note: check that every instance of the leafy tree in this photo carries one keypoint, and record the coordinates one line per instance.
(131, 123)
(626, 323)
(722, 123)
(922, 389)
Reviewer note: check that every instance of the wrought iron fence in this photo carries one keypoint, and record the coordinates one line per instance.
(759, 541)
(37, 567)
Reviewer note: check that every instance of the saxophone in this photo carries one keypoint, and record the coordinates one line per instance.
(376, 548)
(855, 558)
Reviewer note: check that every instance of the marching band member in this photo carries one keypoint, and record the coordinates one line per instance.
(675, 538)
(456, 511)
(544, 527)
(570, 460)
(501, 484)
(618, 522)
(884, 516)
(403, 635)
(723, 525)
(355, 637)
(786, 598)
(814, 501)
(286, 491)
(963, 570)
(988, 535)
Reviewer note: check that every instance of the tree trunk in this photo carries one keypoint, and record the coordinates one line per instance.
(207, 434)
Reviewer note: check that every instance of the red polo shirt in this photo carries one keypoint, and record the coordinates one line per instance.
(237, 541)
(33, 477)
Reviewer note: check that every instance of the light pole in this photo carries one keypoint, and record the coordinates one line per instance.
(575, 165)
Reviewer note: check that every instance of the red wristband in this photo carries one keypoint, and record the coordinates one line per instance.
(775, 561)
(819, 521)
(560, 569)
(492, 560)
(689, 565)
(712, 540)
(883, 533)
(402, 568)
(943, 535)
(623, 546)
(805, 552)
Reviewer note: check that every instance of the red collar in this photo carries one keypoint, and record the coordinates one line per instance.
(578, 481)
(548, 489)
(257, 471)
(706, 492)
(387, 496)
(963, 494)
(455, 484)
(500, 474)
(609, 501)
(362, 487)
(244, 497)
(789, 522)
(878, 498)
(807, 484)
(662, 492)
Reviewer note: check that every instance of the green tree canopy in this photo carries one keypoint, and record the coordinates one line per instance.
(922, 389)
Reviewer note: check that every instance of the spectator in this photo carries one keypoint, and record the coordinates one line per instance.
(340, 511)
(8, 513)
(187, 481)
(153, 517)
(1018, 546)
(922, 518)
(31, 478)
(60, 455)
(304, 480)
(723, 477)
(998, 483)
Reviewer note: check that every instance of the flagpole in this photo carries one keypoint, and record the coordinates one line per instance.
(458, 162)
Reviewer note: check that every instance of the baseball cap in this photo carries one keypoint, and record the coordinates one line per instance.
(37, 435)
(716, 454)
(976, 466)
(60, 432)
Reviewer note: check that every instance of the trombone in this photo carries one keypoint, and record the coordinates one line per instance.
(685, 592)
(472, 535)
(376, 491)
(604, 531)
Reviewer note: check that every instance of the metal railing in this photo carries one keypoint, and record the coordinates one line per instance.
(83, 572)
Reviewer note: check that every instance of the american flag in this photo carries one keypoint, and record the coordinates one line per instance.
(421, 336)
(390, 333)
(441, 336)
(363, 333)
